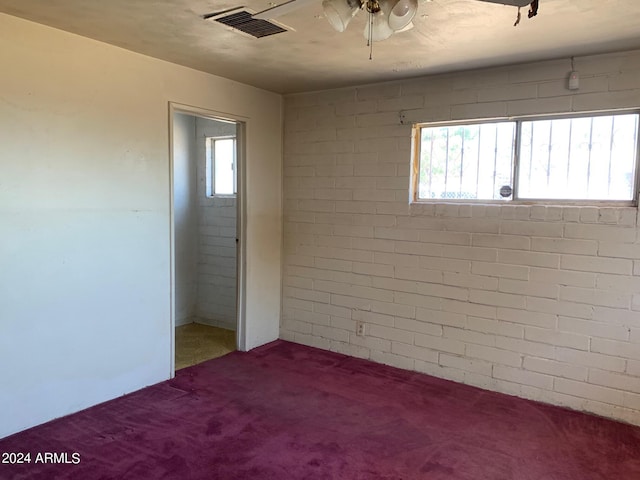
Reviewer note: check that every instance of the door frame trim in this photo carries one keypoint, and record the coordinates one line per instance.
(241, 219)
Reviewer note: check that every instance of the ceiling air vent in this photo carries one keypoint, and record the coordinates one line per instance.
(245, 22)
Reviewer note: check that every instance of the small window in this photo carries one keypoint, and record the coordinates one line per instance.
(574, 159)
(221, 166)
(588, 158)
(466, 161)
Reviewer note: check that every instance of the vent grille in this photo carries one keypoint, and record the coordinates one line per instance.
(244, 22)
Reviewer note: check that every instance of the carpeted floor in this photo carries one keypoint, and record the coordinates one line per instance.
(286, 411)
(196, 343)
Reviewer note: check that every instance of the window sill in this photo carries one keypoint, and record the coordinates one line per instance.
(624, 215)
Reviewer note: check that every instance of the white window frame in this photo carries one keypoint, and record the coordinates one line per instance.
(210, 166)
(514, 199)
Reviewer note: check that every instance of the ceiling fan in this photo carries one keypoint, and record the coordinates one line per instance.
(386, 17)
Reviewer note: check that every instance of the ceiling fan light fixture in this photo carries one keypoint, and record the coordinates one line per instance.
(409, 26)
(380, 29)
(402, 14)
(339, 13)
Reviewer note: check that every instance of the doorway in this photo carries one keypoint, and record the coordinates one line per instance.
(206, 154)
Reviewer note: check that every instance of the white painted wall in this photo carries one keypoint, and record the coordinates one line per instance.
(185, 211)
(217, 274)
(84, 209)
(539, 302)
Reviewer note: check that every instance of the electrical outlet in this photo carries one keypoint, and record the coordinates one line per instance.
(360, 329)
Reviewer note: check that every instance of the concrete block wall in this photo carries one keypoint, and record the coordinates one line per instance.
(538, 301)
(217, 252)
(216, 304)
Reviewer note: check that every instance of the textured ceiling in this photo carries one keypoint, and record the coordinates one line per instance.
(448, 35)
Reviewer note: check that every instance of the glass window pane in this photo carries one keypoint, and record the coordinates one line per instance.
(466, 161)
(224, 163)
(588, 158)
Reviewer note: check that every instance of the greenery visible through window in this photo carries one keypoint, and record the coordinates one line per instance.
(579, 159)
(221, 166)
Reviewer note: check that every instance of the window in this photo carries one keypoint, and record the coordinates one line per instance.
(574, 159)
(221, 166)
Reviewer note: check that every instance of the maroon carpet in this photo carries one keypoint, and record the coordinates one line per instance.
(286, 411)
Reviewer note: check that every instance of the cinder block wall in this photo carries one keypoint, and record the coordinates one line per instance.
(542, 302)
(217, 275)
(217, 252)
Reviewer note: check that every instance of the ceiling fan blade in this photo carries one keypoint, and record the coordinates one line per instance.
(282, 9)
(512, 3)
